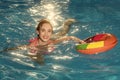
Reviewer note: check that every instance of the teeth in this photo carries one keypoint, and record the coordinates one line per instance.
(45, 37)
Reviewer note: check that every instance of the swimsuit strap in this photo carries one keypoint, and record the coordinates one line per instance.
(34, 41)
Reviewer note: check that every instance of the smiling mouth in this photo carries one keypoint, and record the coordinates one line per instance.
(45, 37)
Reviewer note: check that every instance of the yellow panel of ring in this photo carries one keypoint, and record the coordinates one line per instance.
(95, 45)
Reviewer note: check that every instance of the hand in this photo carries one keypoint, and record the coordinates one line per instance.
(82, 42)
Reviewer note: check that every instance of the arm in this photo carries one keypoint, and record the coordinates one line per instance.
(65, 29)
(67, 38)
(22, 47)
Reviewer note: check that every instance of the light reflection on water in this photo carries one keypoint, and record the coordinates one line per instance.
(51, 10)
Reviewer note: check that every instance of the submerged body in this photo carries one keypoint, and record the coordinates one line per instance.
(35, 47)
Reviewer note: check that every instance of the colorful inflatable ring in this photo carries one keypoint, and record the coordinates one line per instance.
(97, 44)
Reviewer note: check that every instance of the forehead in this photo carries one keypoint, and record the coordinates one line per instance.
(46, 26)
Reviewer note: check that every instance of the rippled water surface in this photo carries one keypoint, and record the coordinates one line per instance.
(18, 19)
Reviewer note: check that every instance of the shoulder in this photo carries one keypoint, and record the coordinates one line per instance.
(33, 41)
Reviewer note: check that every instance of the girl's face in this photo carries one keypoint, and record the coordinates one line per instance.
(45, 32)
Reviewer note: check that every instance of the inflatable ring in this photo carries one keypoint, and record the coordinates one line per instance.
(97, 44)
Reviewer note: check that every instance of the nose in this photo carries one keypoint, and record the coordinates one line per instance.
(46, 33)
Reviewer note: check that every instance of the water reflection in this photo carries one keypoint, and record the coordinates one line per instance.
(50, 9)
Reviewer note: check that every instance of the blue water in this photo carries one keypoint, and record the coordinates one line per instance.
(18, 19)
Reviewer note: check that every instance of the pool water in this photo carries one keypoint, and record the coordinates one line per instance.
(18, 19)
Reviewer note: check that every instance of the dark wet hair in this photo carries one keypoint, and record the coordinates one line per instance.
(43, 21)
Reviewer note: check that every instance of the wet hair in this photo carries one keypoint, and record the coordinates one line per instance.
(41, 22)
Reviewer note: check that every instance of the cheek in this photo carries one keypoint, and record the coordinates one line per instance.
(49, 34)
(41, 33)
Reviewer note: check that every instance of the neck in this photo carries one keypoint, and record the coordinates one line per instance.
(41, 42)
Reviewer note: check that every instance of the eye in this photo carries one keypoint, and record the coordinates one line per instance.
(49, 31)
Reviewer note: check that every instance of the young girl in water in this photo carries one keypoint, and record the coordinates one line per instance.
(45, 41)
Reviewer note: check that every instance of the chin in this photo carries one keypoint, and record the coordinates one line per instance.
(45, 40)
